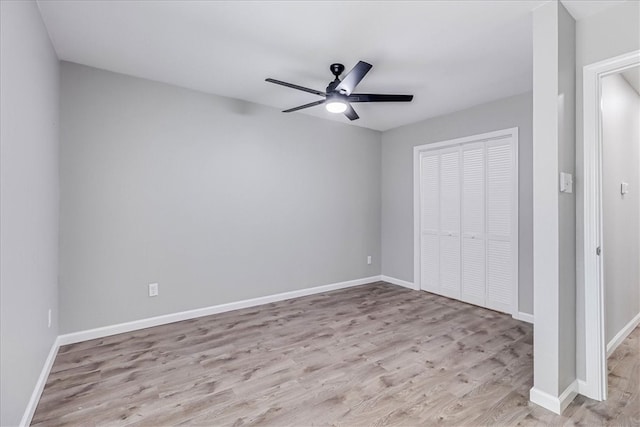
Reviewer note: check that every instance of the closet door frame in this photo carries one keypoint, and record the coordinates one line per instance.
(484, 137)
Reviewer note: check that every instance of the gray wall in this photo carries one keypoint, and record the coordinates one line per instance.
(621, 214)
(397, 181)
(29, 76)
(545, 206)
(566, 94)
(554, 212)
(215, 199)
(613, 32)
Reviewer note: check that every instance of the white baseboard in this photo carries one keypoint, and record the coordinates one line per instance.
(545, 400)
(120, 328)
(525, 317)
(624, 333)
(582, 387)
(398, 282)
(552, 403)
(568, 395)
(42, 380)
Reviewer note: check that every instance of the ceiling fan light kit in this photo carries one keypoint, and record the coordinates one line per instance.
(336, 103)
(336, 107)
(339, 94)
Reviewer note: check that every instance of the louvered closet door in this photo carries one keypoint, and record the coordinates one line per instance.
(450, 222)
(429, 221)
(473, 223)
(501, 230)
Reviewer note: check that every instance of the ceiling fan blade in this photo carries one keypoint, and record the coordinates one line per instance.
(373, 97)
(351, 113)
(353, 77)
(311, 104)
(292, 86)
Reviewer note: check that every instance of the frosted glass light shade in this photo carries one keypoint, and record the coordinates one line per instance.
(336, 107)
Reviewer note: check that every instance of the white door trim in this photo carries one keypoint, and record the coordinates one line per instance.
(595, 384)
(499, 134)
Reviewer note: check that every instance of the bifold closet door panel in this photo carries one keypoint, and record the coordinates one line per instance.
(501, 199)
(430, 221)
(468, 220)
(473, 224)
(450, 222)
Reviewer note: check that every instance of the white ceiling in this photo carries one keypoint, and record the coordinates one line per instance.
(450, 54)
(581, 9)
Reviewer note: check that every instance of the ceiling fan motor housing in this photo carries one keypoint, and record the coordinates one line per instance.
(336, 97)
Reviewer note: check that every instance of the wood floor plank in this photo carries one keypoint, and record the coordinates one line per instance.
(370, 355)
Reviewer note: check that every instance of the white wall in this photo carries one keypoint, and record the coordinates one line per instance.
(613, 32)
(29, 83)
(397, 181)
(215, 199)
(621, 214)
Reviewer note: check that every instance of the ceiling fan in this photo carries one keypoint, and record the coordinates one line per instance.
(339, 94)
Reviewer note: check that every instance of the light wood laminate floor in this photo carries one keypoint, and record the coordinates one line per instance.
(370, 355)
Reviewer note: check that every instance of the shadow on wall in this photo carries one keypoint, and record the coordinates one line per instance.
(242, 108)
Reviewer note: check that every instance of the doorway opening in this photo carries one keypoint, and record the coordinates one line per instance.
(611, 208)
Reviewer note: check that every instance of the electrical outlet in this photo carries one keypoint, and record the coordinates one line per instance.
(369, 259)
(49, 319)
(153, 289)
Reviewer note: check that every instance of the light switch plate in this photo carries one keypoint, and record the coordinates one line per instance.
(624, 188)
(566, 182)
(153, 289)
